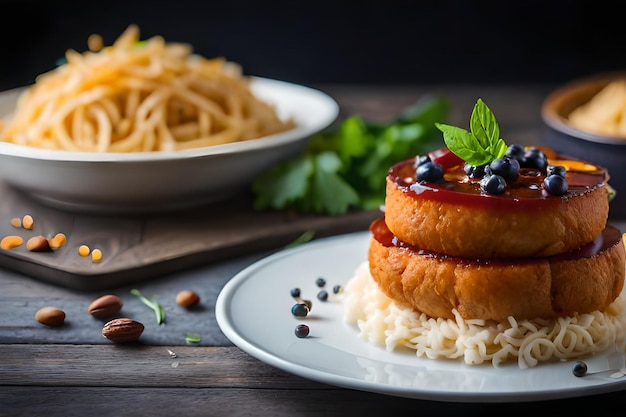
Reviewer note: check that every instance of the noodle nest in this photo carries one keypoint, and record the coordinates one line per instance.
(139, 96)
(529, 342)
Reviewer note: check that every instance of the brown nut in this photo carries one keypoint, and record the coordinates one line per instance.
(122, 330)
(38, 244)
(187, 298)
(50, 316)
(106, 306)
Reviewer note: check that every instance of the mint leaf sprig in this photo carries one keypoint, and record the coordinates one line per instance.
(482, 144)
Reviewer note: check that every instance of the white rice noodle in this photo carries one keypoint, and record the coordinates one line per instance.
(381, 321)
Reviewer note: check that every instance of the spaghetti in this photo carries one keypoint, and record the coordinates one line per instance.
(139, 97)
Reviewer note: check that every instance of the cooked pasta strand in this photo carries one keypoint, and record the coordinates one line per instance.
(139, 97)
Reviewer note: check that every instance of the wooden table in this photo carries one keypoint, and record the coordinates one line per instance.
(73, 370)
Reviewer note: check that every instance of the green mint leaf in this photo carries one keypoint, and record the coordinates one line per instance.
(483, 125)
(482, 144)
(465, 145)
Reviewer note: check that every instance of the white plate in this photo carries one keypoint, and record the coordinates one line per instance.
(254, 312)
(155, 181)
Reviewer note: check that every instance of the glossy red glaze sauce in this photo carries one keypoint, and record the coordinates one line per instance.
(610, 237)
(525, 193)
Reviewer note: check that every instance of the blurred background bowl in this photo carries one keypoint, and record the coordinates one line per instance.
(142, 182)
(605, 150)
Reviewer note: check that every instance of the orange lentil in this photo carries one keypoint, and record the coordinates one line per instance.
(10, 242)
(96, 255)
(16, 222)
(83, 250)
(57, 241)
(27, 222)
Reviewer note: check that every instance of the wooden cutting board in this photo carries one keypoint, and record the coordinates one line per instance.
(137, 248)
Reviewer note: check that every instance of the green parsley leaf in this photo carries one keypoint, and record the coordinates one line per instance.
(482, 144)
(283, 185)
(193, 338)
(344, 167)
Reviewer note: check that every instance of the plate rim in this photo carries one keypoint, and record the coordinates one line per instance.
(225, 321)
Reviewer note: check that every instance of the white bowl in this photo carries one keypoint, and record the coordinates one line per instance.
(140, 182)
(604, 150)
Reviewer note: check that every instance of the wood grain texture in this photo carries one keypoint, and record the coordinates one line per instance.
(136, 248)
(74, 371)
(140, 380)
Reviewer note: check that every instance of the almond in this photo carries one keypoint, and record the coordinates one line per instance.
(50, 316)
(106, 306)
(38, 244)
(122, 330)
(187, 298)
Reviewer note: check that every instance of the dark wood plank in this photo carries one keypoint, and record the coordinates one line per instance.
(62, 380)
(234, 402)
(22, 296)
(138, 366)
(137, 248)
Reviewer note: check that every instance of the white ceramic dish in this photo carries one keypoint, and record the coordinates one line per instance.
(254, 312)
(157, 181)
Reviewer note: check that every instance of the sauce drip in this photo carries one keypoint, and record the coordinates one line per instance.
(609, 237)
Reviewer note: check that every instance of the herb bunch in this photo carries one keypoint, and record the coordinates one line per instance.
(344, 167)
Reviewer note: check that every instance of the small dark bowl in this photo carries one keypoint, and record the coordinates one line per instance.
(603, 150)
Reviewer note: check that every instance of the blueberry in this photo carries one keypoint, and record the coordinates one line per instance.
(295, 292)
(555, 184)
(493, 184)
(421, 160)
(475, 171)
(300, 310)
(557, 170)
(320, 282)
(430, 172)
(302, 330)
(579, 369)
(516, 152)
(535, 158)
(507, 168)
(322, 295)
